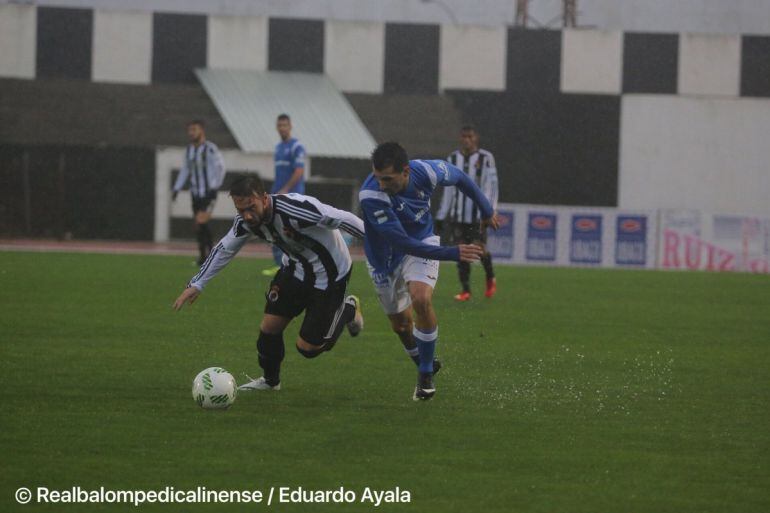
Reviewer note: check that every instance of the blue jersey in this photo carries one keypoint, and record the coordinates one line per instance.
(289, 155)
(395, 225)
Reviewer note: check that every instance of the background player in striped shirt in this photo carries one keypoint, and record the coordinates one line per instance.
(462, 215)
(204, 166)
(403, 252)
(313, 276)
(289, 161)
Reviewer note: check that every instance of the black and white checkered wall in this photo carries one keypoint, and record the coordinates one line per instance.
(371, 57)
(575, 117)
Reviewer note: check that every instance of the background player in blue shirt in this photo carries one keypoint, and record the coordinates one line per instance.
(289, 159)
(402, 251)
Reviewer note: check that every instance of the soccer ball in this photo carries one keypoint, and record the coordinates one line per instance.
(214, 388)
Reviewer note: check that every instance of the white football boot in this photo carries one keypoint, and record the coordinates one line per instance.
(357, 324)
(258, 384)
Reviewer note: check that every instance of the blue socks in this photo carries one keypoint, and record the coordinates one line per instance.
(426, 343)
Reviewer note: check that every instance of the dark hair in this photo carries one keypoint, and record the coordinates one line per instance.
(198, 122)
(283, 116)
(247, 185)
(389, 154)
(468, 128)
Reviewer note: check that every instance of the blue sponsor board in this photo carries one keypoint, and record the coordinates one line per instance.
(500, 241)
(631, 240)
(541, 237)
(586, 239)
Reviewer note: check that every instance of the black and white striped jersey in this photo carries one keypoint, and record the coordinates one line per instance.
(306, 230)
(205, 168)
(480, 167)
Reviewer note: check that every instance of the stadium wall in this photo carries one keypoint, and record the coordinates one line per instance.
(76, 192)
(18, 38)
(695, 153)
(556, 107)
(710, 16)
(119, 45)
(550, 148)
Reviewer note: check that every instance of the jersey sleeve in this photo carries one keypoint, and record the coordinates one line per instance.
(382, 219)
(298, 156)
(222, 253)
(181, 178)
(447, 174)
(342, 219)
(308, 211)
(490, 186)
(219, 168)
(327, 216)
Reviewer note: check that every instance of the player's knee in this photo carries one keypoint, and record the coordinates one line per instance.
(270, 329)
(421, 301)
(401, 326)
(307, 349)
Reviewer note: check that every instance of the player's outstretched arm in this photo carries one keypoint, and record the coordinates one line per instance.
(447, 174)
(189, 295)
(222, 254)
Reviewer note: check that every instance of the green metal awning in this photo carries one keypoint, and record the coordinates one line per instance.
(322, 119)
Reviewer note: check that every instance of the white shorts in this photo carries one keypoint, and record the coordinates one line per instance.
(392, 290)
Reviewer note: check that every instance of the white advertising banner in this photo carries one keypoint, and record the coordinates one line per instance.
(694, 240)
(574, 236)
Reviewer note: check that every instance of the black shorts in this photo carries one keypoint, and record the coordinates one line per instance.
(466, 233)
(205, 204)
(288, 297)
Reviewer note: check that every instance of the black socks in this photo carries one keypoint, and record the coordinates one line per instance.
(271, 351)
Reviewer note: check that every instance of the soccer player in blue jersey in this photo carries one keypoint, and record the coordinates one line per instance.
(289, 160)
(402, 251)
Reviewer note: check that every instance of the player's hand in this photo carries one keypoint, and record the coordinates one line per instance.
(492, 222)
(189, 295)
(174, 195)
(470, 252)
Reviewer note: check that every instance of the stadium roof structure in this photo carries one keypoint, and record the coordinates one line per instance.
(250, 101)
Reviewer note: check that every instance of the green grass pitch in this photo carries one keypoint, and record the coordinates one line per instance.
(571, 391)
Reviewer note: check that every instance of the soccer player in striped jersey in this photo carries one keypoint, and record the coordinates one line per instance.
(313, 276)
(462, 215)
(204, 166)
(403, 252)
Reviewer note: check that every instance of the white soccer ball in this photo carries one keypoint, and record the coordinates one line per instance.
(214, 388)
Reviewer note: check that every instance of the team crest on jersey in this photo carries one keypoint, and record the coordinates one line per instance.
(272, 296)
